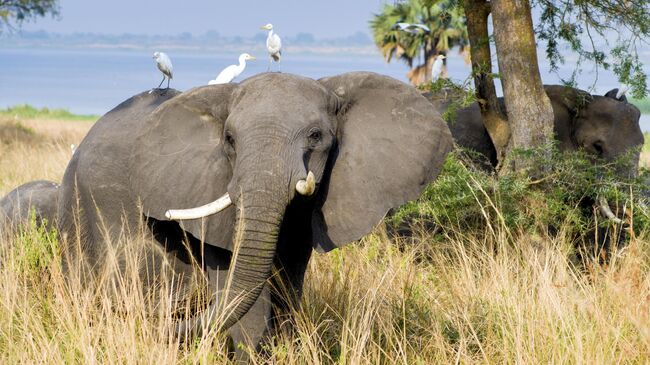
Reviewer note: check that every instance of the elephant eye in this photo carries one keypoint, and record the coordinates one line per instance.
(315, 135)
(230, 140)
(598, 147)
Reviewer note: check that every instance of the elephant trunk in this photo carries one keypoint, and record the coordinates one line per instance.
(255, 244)
(259, 216)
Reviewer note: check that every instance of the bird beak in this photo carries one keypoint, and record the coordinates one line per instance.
(263, 27)
(252, 58)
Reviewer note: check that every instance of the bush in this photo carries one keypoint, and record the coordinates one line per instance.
(465, 198)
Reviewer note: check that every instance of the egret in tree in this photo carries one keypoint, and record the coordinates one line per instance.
(436, 69)
(411, 28)
(229, 73)
(164, 65)
(273, 45)
(622, 90)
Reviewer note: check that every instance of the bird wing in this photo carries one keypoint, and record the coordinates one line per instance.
(227, 75)
(422, 26)
(402, 26)
(165, 65)
(436, 69)
(274, 44)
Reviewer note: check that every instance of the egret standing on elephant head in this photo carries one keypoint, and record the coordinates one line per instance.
(273, 45)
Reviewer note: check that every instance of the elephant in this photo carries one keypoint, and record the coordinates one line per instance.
(39, 196)
(296, 164)
(604, 126)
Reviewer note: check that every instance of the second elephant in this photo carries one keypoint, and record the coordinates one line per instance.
(601, 125)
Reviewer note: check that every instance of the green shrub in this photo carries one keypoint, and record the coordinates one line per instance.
(36, 246)
(465, 198)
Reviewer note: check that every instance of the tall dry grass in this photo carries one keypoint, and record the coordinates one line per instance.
(496, 296)
(32, 149)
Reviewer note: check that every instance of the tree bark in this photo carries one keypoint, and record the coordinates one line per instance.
(529, 110)
(494, 119)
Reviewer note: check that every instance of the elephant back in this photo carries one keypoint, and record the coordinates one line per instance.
(40, 197)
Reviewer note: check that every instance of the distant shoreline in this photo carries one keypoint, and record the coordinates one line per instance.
(315, 50)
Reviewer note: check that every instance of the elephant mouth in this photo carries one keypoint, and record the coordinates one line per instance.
(187, 252)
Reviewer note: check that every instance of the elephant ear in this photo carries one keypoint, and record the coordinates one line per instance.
(179, 163)
(567, 102)
(391, 144)
(612, 94)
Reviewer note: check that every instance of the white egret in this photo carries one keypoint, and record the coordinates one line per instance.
(232, 71)
(273, 45)
(164, 65)
(622, 90)
(436, 69)
(411, 28)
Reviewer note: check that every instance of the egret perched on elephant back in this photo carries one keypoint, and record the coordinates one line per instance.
(273, 46)
(436, 69)
(164, 64)
(231, 72)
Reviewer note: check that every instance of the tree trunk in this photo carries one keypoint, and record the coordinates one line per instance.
(494, 119)
(529, 110)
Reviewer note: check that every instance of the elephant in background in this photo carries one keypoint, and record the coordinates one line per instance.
(297, 164)
(604, 126)
(40, 196)
(601, 125)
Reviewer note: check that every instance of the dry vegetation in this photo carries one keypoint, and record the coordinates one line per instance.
(495, 296)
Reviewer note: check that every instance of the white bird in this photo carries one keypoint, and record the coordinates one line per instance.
(411, 28)
(164, 65)
(232, 71)
(273, 45)
(436, 69)
(622, 90)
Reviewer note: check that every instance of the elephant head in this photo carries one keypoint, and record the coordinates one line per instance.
(350, 147)
(604, 126)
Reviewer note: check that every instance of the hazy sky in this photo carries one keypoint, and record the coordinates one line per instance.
(331, 18)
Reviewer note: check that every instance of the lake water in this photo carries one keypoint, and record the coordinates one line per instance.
(94, 81)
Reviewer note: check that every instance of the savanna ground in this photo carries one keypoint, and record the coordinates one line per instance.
(506, 291)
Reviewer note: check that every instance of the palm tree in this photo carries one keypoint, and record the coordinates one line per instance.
(445, 20)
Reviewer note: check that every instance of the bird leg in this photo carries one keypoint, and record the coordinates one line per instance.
(165, 91)
(161, 82)
(268, 69)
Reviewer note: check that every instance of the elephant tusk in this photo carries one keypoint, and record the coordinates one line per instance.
(200, 212)
(306, 187)
(607, 211)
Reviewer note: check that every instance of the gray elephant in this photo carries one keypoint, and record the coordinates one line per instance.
(295, 163)
(40, 197)
(602, 125)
